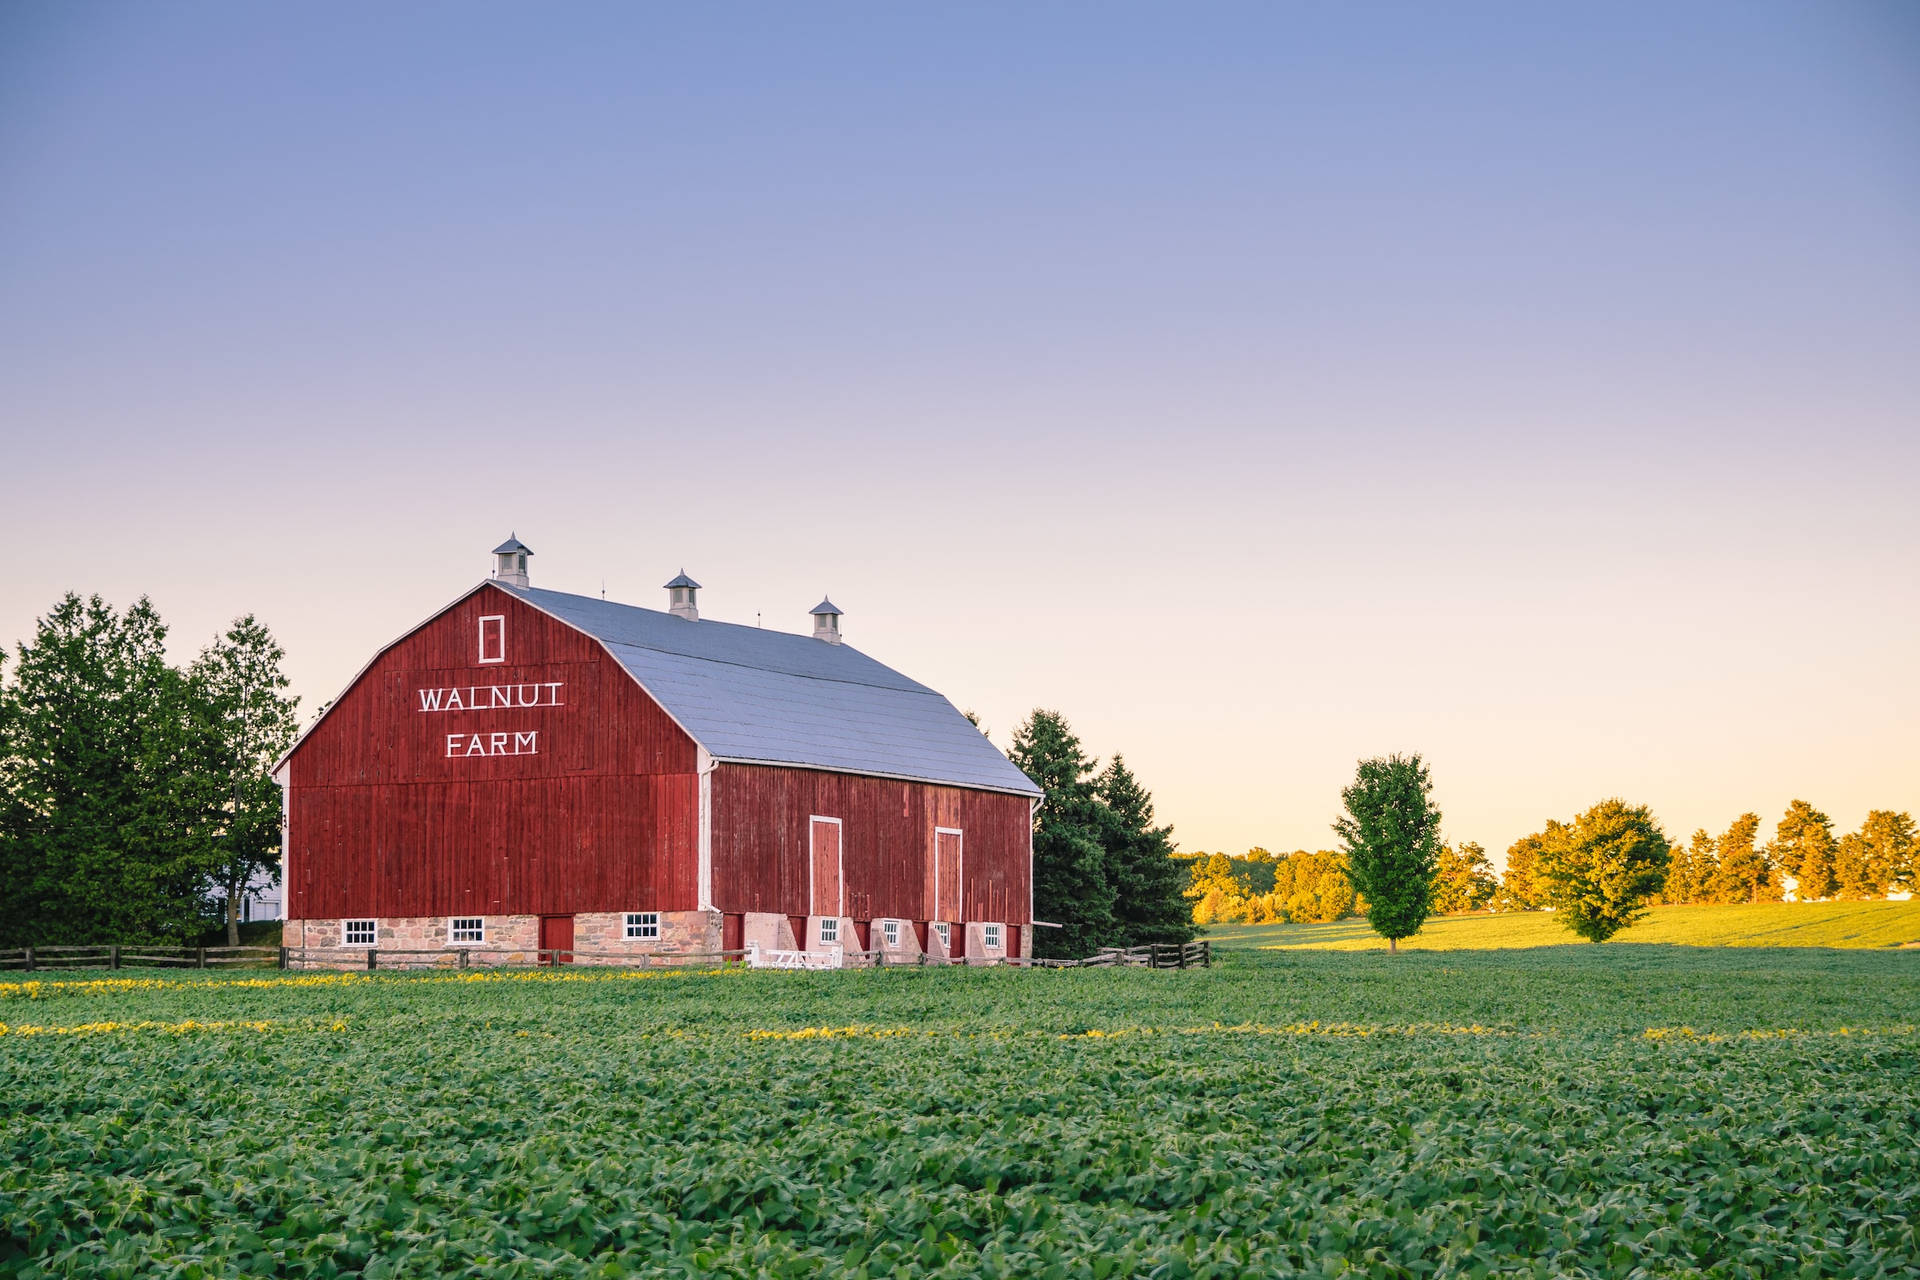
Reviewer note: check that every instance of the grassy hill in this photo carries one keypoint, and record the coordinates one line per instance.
(1770, 924)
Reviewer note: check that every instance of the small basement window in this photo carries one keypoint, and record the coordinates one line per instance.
(358, 933)
(990, 934)
(945, 931)
(467, 929)
(643, 924)
(830, 929)
(891, 928)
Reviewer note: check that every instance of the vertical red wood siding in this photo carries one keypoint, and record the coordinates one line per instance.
(600, 814)
(761, 843)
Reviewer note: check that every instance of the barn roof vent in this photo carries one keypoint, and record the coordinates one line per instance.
(826, 622)
(510, 562)
(680, 597)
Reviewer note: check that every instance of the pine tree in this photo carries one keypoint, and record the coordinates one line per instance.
(1148, 907)
(1744, 873)
(1888, 848)
(1070, 884)
(107, 818)
(239, 688)
(1392, 836)
(1803, 848)
(1612, 862)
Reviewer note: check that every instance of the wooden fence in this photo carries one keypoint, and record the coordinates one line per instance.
(42, 959)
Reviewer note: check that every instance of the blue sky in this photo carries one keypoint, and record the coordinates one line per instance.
(1262, 386)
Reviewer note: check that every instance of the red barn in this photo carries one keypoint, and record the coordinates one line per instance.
(529, 768)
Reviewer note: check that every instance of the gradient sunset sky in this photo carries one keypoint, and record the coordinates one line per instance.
(1536, 387)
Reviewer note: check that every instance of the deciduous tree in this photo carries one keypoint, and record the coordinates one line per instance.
(1391, 834)
(1601, 876)
(1463, 879)
(1520, 890)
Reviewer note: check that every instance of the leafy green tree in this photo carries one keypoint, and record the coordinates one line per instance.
(1601, 876)
(1311, 888)
(243, 708)
(1803, 847)
(1070, 884)
(1391, 834)
(109, 815)
(1145, 878)
(1463, 879)
(1743, 872)
(1519, 889)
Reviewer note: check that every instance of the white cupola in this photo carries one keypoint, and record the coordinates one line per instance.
(680, 602)
(510, 562)
(826, 622)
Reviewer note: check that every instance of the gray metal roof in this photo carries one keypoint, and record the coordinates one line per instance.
(511, 545)
(746, 694)
(827, 606)
(684, 581)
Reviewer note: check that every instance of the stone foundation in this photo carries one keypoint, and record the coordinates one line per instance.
(425, 942)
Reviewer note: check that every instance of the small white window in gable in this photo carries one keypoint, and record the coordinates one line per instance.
(358, 933)
(829, 929)
(990, 934)
(493, 638)
(466, 929)
(945, 931)
(643, 924)
(891, 928)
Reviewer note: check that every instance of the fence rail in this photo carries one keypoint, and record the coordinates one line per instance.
(1197, 954)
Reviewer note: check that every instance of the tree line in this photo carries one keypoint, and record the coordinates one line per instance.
(135, 796)
(1599, 868)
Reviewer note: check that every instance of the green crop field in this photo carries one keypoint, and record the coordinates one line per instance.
(1607, 1111)
(1774, 924)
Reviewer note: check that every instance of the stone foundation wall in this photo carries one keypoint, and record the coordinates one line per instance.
(506, 940)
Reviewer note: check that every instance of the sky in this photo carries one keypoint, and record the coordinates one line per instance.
(1262, 386)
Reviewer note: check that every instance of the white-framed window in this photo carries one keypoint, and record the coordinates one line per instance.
(945, 931)
(643, 924)
(466, 929)
(358, 933)
(890, 929)
(990, 935)
(829, 929)
(493, 638)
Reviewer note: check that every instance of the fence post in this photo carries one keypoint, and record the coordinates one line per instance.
(1183, 955)
(1206, 952)
(373, 958)
(283, 957)
(29, 951)
(200, 958)
(113, 956)
(463, 957)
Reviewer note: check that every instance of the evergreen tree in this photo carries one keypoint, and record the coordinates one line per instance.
(1463, 879)
(1613, 860)
(1691, 872)
(1070, 884)
(107, 818)
(1803, 848)
(1391, 834)
(1145, 878)
(1743, 872)
(250, 722)
(1890, 850)
(1853, 871)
